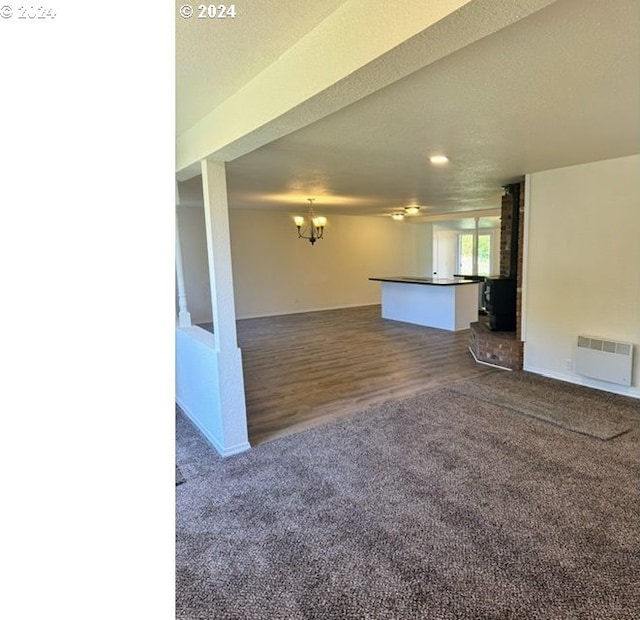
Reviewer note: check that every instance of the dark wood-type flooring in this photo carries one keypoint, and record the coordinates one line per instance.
(301, 370)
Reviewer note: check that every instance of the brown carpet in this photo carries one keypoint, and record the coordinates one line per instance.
(576, 408)
(438, 507)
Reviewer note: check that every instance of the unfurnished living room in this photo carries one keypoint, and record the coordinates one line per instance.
(408, 310)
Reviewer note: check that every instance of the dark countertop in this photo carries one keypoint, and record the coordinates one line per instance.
(430, 281)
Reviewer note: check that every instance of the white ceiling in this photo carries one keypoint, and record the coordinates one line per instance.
(216, 57)
(557, 88)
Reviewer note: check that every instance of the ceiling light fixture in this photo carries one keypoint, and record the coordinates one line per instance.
(438, 159)
(315, 225)
(411, 210)
(398, 216)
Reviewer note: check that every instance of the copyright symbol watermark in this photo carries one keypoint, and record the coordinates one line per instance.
(6, 12)
(186, 11)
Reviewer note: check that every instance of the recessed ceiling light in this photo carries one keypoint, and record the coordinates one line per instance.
(398, 216)
(411, 210)
(438, 159)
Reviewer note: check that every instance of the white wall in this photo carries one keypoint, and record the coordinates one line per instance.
(193, 242)
(196, 371)
(276, 273)
(198, 390)
(582, 264)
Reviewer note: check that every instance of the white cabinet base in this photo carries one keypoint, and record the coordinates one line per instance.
(450, 307)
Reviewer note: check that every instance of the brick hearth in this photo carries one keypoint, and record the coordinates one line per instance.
(501, 349)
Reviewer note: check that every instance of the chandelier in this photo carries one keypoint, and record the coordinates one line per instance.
(315, 225)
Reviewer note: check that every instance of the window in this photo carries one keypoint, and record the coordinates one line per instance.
(471, 260)
(484, 254)
(465, 254)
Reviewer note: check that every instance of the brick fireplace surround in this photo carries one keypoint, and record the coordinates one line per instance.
(505, 349)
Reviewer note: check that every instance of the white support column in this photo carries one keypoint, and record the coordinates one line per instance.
(230, 383)
(184, 317)
(474, 269)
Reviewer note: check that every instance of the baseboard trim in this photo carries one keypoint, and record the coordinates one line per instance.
(211, 439)
(261, 316)
(584, 381)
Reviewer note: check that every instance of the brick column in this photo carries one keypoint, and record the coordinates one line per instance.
(505, 349)
(506, 225)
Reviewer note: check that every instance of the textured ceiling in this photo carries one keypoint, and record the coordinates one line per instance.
(216, 57)
(558, 88)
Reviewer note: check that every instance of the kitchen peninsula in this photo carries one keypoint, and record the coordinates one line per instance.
(445, 303)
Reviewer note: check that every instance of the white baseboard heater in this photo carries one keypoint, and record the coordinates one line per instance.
(607, 360)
